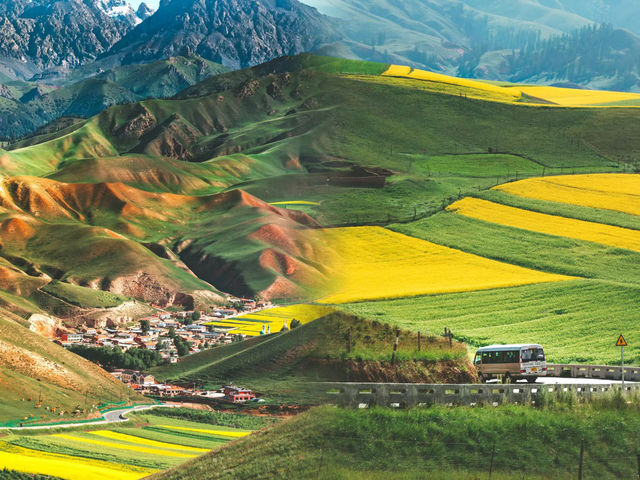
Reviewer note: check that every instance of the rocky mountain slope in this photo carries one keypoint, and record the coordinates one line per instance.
(235, 33)
(41, 34)
(26, 106)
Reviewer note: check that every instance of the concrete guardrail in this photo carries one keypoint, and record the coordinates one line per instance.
(406, 395)
(604, 372)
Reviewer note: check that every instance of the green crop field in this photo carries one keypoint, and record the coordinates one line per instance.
(147, 444)
(576, 321)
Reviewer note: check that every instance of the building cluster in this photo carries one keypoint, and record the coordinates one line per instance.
(156, 334)
(147, 385)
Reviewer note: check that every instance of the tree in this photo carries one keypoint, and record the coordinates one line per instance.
(187, 321)
(295, 323)
(172, 333)
(181, 345)
(145, 326)
(195, 316)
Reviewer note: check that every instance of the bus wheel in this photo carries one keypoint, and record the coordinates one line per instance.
(506, 378)
(532, 379)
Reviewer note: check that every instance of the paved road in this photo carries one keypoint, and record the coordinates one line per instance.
(572, 381)
(114, 416)
(577, 381)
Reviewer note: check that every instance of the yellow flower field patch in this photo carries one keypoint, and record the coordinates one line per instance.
(577, 97)
(549, 224)
(219, 433)
(66, 466)
(296, 202)
(377, 263)
(145, 441)
(618, 192)
(135, 448)
(252, 323)
(482, 89)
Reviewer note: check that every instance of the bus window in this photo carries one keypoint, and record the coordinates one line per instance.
(532, 355)
(511, 357)
(478, 359)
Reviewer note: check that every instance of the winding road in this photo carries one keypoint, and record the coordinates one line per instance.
(113, 416)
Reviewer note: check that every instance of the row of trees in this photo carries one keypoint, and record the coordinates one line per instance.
(115, 357)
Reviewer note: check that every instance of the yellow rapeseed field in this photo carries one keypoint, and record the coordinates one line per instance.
(65, 466)
(135, 448)
(549, 224)
(397, 71)
(296, 202)
(618, 192)
(251, 324)
(576, 97)
(218, 433)
(145, 441)
(564, 97)
(496, 92)
(377, 263)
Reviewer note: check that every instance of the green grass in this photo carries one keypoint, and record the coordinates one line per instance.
(244, 422)
(437, 443)
(577, 321)
(83, 297)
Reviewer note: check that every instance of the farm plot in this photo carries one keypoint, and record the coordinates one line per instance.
(377, 263)
(272, 320)
(577, 321)
(617, 192)
(124, 453)
(548, 224)
(576, 97)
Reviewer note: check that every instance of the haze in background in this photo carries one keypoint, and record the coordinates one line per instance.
(150, 3)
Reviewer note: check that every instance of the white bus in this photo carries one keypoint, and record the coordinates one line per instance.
(513, 362)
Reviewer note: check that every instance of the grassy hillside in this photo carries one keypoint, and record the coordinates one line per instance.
(441, 443)
(41, 380)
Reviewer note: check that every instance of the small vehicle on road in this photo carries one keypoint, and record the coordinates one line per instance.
(513, 362)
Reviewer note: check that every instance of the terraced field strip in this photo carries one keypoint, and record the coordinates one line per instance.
(217, 433)
(123, 446)
(252, 324)
(576, 97)
(378, 264)
(144, 441)
(549, 224)
(65, 466)
(617, 192)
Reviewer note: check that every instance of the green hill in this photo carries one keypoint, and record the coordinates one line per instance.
(438, 443)
(281, 365)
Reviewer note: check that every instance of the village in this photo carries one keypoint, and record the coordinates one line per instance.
(171, 335)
